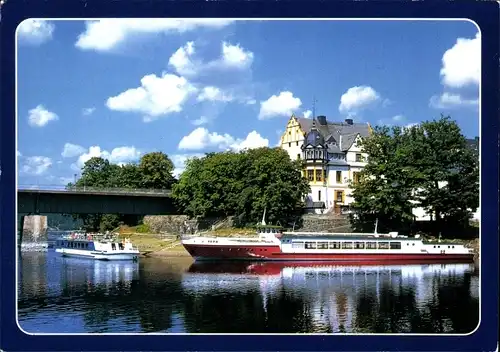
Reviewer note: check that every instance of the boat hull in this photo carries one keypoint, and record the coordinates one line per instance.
(97, 255)
(273, 253)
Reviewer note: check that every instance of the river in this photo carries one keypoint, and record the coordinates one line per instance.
(65, 295)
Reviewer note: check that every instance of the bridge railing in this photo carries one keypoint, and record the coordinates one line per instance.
(93, 189)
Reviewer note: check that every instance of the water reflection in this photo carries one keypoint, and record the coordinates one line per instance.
(175, 295)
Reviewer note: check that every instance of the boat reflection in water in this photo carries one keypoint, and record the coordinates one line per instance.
(364, 298)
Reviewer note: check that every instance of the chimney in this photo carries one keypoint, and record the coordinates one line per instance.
(349, 121)
(322, 120)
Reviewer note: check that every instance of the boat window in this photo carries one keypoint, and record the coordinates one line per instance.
(334, 245)
(359, 245)
(346, 245)
(383, 245)
(310, 245)
(371, 245)
(395, 245)
(86, 245)
(452, 246)
(297, 244)
(113, 246)
(322, 245)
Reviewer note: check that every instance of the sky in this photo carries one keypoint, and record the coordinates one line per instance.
(120, 88)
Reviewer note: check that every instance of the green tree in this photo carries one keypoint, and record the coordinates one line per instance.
(156, 171)
(428, 165)
(242, 184)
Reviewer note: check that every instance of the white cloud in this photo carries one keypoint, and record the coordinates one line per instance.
(35, 32)
(201, 138)
(155, 97)
(39, 116)
(283, 104)
(71, 150)
(185, 62)
(307, 114)
(36, 165)
(450, 101)
(105, 35)
(18, 154)
(462, 63)
(398, 118)
(88, 111)
(253, 140)
(119, 155)
(203, 120)
(182, 60)
(211, 93)
(358, 98)
(235, 56)
(179, 161)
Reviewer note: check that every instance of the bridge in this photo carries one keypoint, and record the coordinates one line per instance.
(35, 200)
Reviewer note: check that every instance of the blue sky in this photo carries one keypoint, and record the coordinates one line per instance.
(122, 88)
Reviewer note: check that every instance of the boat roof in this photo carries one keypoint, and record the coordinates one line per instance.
(346, 237)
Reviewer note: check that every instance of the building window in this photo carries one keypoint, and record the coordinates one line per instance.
(339, 176)
(383, 245)
(339, 196)
(310, 175)
(319, 174)
(324, 175)
(298, 156)
(319, 195)
(371, 245)
(290, 145)
(297, 143)
(395, 245)
(346, 245)
(355, 177)
(289, 133)
(359, 157)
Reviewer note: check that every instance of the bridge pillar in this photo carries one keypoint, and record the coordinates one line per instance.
(20, 230)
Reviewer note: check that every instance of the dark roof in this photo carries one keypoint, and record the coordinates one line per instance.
(342, 134)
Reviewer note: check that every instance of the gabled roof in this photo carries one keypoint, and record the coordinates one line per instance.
(335, 130)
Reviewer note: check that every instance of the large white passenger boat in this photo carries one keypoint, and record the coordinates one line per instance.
(96, 246)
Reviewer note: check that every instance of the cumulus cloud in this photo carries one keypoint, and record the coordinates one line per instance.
(307, 114)
(203, 120)
(88, 111)
(71, 150)
(35, 32)
(283, 104)
(36, 165)
(358, 98)
(450, 101)
(461, 64)
(233, 57)
(119, 155)
(398, 118)
(211, 93)
(105, 35)
(39, 116)
(155, 97)
(201, 138)
(179, 161)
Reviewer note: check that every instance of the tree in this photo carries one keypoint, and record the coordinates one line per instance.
(156, 171)
(428, 165)
(242, 184)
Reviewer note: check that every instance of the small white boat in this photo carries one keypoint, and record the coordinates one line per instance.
(98, 246)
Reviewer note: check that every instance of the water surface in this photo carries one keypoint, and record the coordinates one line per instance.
(174, 295)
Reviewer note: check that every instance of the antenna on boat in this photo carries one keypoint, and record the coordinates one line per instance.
(263, 223)
(376, 226)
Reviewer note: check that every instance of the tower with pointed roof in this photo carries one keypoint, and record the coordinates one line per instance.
(331, 157)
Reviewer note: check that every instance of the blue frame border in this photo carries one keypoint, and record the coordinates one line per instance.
(485, 14)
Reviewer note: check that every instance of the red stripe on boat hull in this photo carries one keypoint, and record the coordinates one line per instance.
(273, 252)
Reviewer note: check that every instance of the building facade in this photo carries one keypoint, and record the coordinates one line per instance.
(332, 158)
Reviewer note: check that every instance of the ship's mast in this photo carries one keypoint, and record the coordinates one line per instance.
(376, 226)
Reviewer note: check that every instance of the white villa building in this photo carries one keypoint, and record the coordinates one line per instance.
(332, 158)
